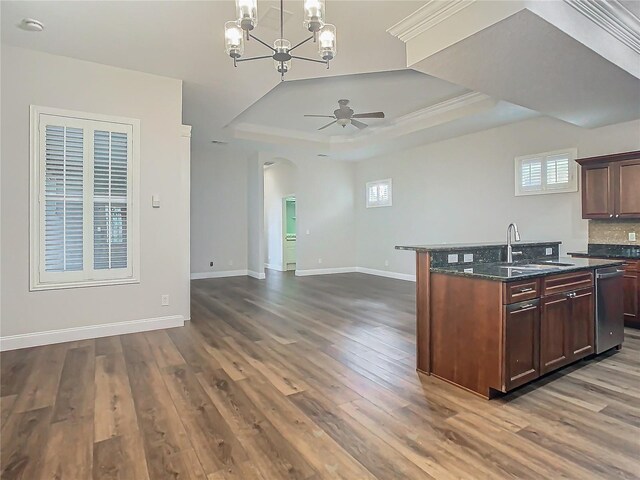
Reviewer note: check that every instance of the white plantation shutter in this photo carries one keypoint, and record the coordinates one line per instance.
(379, 193)
(531, 174)
(63, 198)
(83, 222)
(557, 170)
(110, 200)
(551, 172)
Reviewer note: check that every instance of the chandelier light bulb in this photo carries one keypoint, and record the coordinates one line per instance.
(327, 42)
(313, 15)
(247, 11)
(233, 39)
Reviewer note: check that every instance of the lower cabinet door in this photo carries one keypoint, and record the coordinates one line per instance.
(554, 332)
(582, 323)
(522, 343)
(630, 295)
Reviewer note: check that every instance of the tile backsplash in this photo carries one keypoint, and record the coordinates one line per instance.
(614, 231)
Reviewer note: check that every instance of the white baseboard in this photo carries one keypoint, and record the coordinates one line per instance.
(258, 275)
(227, 273)
(271, 266)
(384, 273)
(324, 271)
(13, 342)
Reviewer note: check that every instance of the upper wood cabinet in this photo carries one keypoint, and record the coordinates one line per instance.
(611, 186)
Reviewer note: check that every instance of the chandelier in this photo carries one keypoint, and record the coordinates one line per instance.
(236, 32)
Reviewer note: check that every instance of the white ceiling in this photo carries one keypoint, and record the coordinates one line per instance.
(523, 64)
(184, 39)
(528, 61)
(395, 93)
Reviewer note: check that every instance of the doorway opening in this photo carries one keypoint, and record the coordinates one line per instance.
(289, 233)
(280, 215)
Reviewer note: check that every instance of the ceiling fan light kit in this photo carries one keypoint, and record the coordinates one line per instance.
(236, 32)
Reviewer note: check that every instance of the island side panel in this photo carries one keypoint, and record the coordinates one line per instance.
(423, 328)
(466, 320)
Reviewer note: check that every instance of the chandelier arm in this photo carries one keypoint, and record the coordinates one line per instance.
(324, 62)
(301, 43)
(263, 43)
(253, 58)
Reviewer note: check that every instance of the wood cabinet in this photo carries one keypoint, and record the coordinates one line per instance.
(554, 332)
(487, 336)
(567, 328)
(611, 186)
(522, 343)
(631, 288)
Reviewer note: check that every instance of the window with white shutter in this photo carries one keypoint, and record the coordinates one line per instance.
(550, 172)
(83, 215)
(379, 193)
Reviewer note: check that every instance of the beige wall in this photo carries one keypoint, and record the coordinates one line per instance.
(30, 77)
(462, 190)
(218, 210)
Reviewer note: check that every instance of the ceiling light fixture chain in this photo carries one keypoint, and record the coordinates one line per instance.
(237, 31)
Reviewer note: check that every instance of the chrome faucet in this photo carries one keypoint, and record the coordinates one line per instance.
(516, 235)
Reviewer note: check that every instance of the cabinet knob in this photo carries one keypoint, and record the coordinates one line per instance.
(611, 215)
(617, 215)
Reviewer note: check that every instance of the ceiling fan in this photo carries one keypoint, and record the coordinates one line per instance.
(345, 115)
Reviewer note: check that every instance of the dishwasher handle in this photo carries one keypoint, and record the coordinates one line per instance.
(617, 273)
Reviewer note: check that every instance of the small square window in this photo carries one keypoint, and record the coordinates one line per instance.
(550, 172)
(379, 193)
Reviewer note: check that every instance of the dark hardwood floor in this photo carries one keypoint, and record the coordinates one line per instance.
(303, 378)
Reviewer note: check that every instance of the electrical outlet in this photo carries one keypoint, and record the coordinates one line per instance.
(468, 257)
(452, 258)
(211, 264)
(386, 263)
(308, 232)
(632, 236)
(165, 300)
(231, 263)
(319, 260)
(548, 251)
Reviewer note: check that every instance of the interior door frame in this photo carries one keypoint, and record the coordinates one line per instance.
(284, 228)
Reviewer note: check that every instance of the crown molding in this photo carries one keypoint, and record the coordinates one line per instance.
(426, 17)
(415, 120)
(612, 17)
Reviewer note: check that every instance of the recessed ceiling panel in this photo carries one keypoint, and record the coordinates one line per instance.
(395, 93)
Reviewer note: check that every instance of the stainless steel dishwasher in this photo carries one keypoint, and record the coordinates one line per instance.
(609, 308)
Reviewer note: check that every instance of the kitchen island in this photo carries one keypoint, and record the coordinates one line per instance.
(489, 326)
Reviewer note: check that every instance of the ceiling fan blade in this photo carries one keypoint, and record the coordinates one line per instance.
(321, 116)
(327, 125)
(358, 124)
(369, 115)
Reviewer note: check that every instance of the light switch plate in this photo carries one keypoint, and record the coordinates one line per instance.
(468, 257)
(549, 251)
(452, 258)
(155, 201)
(632, 236)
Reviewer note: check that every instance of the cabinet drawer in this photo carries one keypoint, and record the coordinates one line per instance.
(520, 291)
(566, 282)
(632, 265)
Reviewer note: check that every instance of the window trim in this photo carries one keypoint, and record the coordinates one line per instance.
(572, 185)
(378, 182)
(35, 213)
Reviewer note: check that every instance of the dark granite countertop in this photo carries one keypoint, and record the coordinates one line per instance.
(600, 250)
(466, 246)
(506, 273)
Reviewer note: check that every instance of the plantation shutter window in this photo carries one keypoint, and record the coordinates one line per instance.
(379, 193)
(550, 172)
(84, 223)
